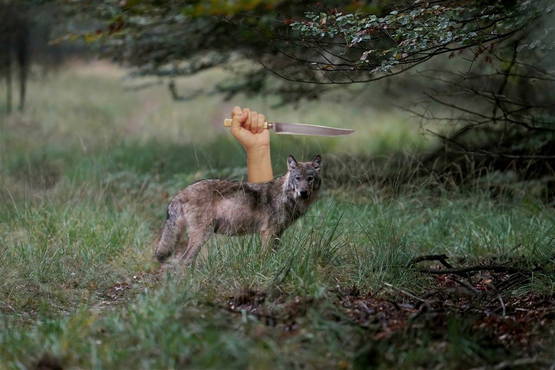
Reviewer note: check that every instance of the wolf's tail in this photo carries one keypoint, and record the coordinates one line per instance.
(170, 234)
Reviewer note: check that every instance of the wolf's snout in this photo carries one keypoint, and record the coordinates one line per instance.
(304, 194)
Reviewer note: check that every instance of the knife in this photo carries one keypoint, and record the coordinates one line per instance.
(284, 128)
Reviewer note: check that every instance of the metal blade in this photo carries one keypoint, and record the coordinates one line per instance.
(302, 129)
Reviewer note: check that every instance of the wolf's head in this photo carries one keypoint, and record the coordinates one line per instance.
(304, 177)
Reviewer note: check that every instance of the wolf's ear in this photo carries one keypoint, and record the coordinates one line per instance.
(316, 162)
(291, 162)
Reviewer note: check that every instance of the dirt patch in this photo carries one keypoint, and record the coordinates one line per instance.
(513, 322)
(281, 312)
(121, 291)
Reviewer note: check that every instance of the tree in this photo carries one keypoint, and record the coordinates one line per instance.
(505, 90)
(14, 48)
(26, 28)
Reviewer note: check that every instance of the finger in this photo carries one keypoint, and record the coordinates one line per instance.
(244, 115)
(261, 121)
(236, 117)
(254, 122)
(247, 123)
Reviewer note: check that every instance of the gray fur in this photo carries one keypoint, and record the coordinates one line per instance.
(239, 208)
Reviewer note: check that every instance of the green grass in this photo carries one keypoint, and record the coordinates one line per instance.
(86, 173)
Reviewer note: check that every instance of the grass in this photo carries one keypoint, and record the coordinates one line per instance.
(88, 169)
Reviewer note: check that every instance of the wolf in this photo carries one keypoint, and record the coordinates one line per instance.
(238, 208)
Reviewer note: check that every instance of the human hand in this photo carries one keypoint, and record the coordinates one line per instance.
(248, 128)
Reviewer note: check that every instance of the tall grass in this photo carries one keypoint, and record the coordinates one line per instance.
(86, 174)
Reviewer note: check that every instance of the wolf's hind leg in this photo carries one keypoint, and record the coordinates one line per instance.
(173, 228)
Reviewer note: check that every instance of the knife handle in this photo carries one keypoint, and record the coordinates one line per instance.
(227, 123)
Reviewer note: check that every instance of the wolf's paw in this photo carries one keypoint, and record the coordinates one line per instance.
(162, 256)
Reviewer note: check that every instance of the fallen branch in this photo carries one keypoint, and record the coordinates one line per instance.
(465, 270)
(442, 258)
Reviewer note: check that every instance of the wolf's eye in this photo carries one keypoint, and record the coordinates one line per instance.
(310, 178)
(298, 178)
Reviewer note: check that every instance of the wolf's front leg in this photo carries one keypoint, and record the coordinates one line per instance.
(270, 239)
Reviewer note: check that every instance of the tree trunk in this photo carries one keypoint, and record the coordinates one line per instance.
(22, 54)
(8, 76)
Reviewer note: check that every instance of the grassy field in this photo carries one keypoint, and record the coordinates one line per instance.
(87, 171)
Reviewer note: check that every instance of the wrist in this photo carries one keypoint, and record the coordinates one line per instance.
(259, 164)
(258, 149)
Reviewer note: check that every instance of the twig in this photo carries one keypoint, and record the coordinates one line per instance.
(502, 305)
(442, 258)
(420, 311)
(466, 285)
(405, 293)
(513, 280)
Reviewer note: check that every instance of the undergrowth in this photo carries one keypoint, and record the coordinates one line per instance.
(84, 184)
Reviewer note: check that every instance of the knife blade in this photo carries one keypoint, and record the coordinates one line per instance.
(285, 128)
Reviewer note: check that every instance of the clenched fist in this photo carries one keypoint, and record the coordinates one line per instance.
(248, 128)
